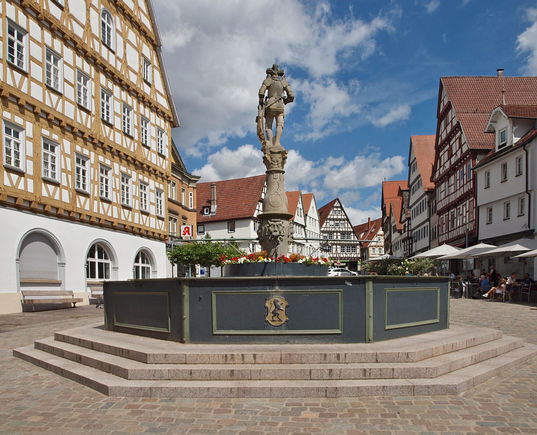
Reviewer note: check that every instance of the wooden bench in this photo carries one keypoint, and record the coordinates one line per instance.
(37, 297)
(96, 292)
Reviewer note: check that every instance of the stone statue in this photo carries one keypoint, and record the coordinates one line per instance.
(274, 229)
(274, 93)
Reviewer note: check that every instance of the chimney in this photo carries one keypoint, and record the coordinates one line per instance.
(213, 198)
(499, 71)
(368, 222)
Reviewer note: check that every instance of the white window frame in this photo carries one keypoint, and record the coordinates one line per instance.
(521, 206)
(50, 160)
(126, 190)
(503, 172)
(201, 229)
(145, 131)
(172, 225)
(489, 215)
(126, 119)
(183, 196)
(506, 210)
(147, 70)
(161, 141)
(487, 179)
(502, 141)
(14, 149)
(53, 70)
(102, 261)
(172, 190)
(231, 226)
(159, 202)
(144, 197)
(105, 182)
(142, 266)
(107, 28)
(82, 173)
(83, 90)
(17, 43)
(191, 200)
(518, 166)
(107, 105)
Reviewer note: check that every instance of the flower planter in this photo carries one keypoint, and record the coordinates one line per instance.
(275, 269)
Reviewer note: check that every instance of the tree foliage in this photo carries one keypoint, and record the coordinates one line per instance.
(205, 253)
(417, 266)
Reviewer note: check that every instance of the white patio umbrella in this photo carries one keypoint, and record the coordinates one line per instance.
(520, 245)
(527, 254)
(439, 251)
(469, 252)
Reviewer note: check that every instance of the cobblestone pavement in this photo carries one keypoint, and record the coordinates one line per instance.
(33, 399)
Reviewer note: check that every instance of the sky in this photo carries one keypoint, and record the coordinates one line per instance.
(365, 74)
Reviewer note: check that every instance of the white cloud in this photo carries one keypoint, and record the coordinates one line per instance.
(398, 113)
(216, 54)
(432, 6)
(327, 178)
(359, 216)
(527, 43)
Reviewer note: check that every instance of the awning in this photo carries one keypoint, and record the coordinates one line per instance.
(439, 251)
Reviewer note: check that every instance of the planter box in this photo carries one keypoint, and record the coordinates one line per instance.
(275, 269)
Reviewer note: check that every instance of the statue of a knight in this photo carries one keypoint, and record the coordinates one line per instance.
(274, 93)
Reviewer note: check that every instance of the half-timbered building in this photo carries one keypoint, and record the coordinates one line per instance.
(391, 202)
(463, 111)
(87, 115)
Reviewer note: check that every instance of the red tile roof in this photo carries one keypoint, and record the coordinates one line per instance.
(368, 230)
(325, 210)
(520, 111)
(235, 199)
(493, 155)
(307, 198)
(292, 201)
(474, 98)
(390, 191)
(423, 147)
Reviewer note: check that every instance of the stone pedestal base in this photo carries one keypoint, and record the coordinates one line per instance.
(275, 233)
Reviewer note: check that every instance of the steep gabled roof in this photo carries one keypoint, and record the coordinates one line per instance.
(368, 230)
(235, 199)
(423, 147)
(307, 198)
(325, 210)
(292, 201)
(474, 97)
(520, 111)
(390, 191)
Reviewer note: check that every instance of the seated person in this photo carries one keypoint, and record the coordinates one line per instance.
(527, 280)
(484, 285)
(500, 290)
(512, 287)
(463, 286)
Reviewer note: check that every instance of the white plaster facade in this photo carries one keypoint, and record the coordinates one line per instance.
(419, 207)
(313, 230)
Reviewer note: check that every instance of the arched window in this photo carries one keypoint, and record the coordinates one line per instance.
(142, 266)
(107, 28)
(98, 263)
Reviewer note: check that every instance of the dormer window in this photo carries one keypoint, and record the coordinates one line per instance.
(502, 138)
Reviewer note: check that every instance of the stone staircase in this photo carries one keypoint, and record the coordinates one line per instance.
(441, 362)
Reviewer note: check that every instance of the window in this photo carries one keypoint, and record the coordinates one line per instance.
(502, 138)
(201, 228)
(98, 263)
(81, 172)
(144, 131)
(53, 70)
(160, 141)
(50, 160)
(106, 106)
(83, 90)
(104, 182)
(127, 120)
(489, 215)
(159, 202)
(125, 190)
(487, 179)
(172, 223)
(142, 266)
(506, 210)
(144, 191)
(183, 195)
(107, 29)
(518, 166)
(504, 172)
(16, 45)
(521, 206)
(13, 146)
(469, 171)
(231, 226)
(147, 70)
(172, 190)
(191, 200)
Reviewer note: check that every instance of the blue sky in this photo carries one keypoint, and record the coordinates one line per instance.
(365, 74)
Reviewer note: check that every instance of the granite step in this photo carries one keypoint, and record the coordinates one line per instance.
(451, 383)
(135, 370)
(153, 351)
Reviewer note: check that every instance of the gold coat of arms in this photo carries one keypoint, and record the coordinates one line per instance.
(276, 314)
